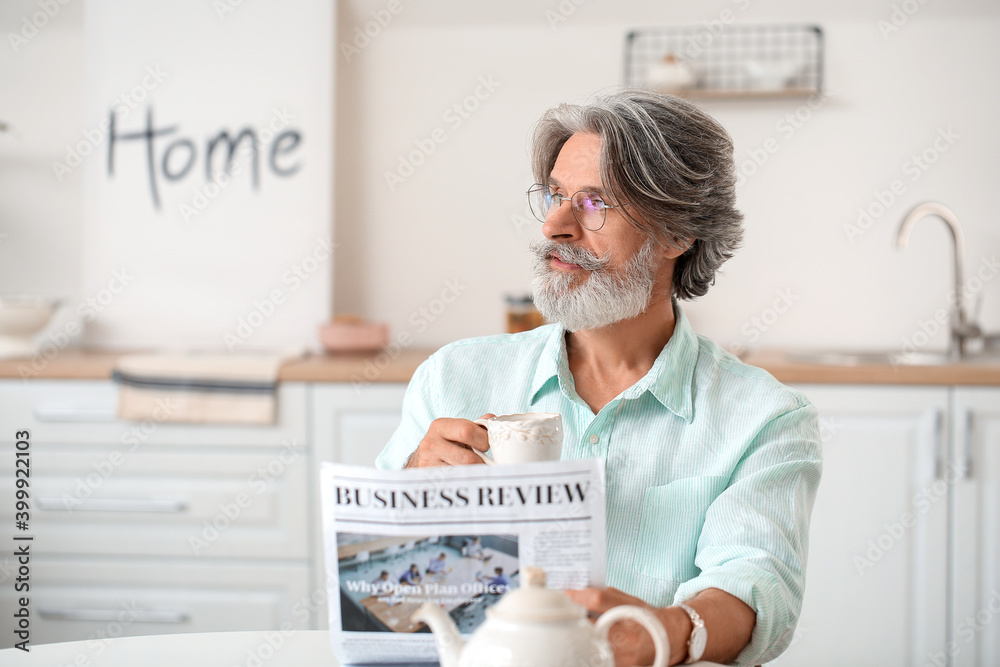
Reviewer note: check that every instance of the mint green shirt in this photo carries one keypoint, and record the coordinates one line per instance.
(712, 465)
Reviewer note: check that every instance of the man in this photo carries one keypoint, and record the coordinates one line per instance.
(381, 583)
(411, 577)
(712, 466)
(437, 565)
(498, 583)
(475, 550)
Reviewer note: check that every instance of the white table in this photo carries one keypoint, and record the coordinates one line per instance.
(307, 648)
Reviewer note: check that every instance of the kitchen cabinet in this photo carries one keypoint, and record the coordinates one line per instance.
(975, 464)
(876, 583)
(82, 412)
(132, 518)
(169, 501)
(94, 598)
(173, 527)
(351, 423)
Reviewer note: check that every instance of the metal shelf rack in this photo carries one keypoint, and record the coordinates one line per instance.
(732, 61)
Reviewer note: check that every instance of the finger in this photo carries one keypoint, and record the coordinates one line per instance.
(459, 431)
(467, 433)
(592, 599)
(599, 600)
(433, 451)
(452, 453)
(621, 597)
(460, 455)
(448, 442)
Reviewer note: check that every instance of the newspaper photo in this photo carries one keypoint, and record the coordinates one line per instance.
(457, 537)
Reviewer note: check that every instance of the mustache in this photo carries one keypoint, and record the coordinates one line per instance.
(543, 250)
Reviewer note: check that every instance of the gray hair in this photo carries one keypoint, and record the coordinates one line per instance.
(670, 162)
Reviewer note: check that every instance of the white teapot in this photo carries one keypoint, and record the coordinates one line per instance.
(534, 626)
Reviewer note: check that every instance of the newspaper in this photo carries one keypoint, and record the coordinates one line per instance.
(457, 537)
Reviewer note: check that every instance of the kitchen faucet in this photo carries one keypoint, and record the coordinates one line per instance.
(961, 329)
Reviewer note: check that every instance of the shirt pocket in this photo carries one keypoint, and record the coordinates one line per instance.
(670, 525)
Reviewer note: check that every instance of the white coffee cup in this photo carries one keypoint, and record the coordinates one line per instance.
(523, 438)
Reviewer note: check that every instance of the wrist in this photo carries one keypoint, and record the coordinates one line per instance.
(678, 626)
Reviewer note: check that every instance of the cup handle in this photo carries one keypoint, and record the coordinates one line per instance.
(486, 459)
(646, 619)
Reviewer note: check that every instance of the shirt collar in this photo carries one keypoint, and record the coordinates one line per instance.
(670, 380)
(553, 362)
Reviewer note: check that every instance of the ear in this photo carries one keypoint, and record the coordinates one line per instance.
(677, 247)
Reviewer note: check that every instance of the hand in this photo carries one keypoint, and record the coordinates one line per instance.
(448, 442)
(629, 641)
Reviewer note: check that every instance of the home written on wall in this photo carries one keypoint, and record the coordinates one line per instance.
(179, 155)
(217, 187)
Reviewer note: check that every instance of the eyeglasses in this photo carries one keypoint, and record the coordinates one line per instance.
(589, 208)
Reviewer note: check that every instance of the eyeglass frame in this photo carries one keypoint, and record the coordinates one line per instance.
(563, 199)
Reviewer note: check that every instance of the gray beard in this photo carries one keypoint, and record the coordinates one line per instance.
(605, 297)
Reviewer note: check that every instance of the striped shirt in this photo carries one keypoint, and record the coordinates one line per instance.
(712, 465)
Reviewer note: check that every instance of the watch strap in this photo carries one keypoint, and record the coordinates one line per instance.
(697, 625)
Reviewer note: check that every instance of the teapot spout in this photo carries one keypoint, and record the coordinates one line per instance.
(446, 636)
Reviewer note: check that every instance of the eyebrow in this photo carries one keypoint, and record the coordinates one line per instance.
(597, 189)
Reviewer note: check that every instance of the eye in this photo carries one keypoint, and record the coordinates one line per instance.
(589, 201)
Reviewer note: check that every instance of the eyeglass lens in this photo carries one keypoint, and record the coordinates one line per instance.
(588, 208)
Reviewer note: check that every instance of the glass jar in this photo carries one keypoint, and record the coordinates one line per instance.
(522, 314)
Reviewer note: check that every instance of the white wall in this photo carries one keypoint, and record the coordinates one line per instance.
(220, 253)
(41, 97)
(194, 280)
(452, 219)
(461, 215)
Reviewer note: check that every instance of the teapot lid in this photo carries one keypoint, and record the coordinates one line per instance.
(534, 602)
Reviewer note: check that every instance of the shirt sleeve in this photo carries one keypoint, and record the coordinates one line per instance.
(755, 538)
(419, 410)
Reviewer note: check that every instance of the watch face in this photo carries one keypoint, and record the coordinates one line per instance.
(697, 646)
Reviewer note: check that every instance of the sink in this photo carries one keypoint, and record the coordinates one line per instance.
(894, 358)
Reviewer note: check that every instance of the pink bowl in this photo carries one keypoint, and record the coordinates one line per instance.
(354, 336)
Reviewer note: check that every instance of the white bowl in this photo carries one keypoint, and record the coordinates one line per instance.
(21, 317)
(771, 74)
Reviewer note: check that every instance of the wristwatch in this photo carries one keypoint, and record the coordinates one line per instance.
(699, 635)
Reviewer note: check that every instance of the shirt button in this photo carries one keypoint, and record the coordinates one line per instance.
(594, 439)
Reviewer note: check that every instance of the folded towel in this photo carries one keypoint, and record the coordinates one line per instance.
(202, 388)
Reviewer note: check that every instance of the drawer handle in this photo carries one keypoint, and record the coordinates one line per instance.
(114, 505)
(939, 450)
(70, 414)
(967, 429)
(135, 616)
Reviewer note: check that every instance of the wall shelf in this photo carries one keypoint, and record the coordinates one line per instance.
(727, 61)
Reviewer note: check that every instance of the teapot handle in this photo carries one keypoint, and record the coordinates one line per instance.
(646, 619)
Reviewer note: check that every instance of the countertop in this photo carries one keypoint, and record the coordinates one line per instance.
(399, 367)
(784, 369)
(75, 364)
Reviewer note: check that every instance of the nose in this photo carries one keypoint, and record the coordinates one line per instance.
(561, 224)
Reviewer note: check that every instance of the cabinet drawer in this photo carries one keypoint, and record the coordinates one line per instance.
(167, 501)
(105, 598)
(83, 411)
(352, 426)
